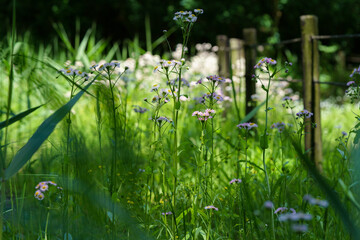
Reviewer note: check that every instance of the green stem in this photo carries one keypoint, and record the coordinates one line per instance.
(264, 153)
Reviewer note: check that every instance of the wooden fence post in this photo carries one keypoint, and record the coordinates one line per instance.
(311, 90)
(237, 58)
(223, 55)
(249, 35)
(237, 54)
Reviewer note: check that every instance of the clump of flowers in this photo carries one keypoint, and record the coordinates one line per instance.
(247, 126)
(284, 209)
(185, 18)
(204, 116)
(139, 109)
(314, 201)
(212, 207)
(280, 126)
(265, 61)
(354, 91)
(75, 73)
(235, 180)
(211, 83)
(43, 187)
(304, 114)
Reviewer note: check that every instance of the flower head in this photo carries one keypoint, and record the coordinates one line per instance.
(166, 213)
(212, 207)
(314, 201)
(268, 204)
(235, 181)
(247, 126)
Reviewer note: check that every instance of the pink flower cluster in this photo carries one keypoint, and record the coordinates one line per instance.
(265, 61)
(204, 116)
(43, 187)
(247, 126)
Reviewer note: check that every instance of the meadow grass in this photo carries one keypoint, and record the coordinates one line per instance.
(180, 169)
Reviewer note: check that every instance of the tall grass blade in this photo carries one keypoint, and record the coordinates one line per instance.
(41, 134)
(18, 117)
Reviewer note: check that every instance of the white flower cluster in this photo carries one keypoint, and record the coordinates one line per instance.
(187, 16)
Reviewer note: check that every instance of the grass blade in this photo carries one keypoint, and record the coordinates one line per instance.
(41, 134)
(18, 117)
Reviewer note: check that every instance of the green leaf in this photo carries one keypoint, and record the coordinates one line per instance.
(252, 113)
(41, 134)
(18, 117)
(349, 194)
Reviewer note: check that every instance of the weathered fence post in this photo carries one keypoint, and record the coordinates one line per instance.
(311, 90)
(249, 35)
(224, 66)
(223, 55)
(237, 69)
(237, 54)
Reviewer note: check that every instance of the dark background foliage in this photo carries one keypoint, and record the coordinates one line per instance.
(123, 19)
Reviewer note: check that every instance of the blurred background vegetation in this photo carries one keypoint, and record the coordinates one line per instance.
(141, 22)
(124, 19)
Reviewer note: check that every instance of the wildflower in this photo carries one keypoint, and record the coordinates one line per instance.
(350, 83)
(44, 187)
(235, 181)
(299, 227)
(265, 61)
(281, 209)
(166, 213)
(204, 116)
(280, 126)
(139, 109)
(212, 207)
(247, 126)
(215, 78)
(294, 217)
(344, 133)
(355, 71)
(287, 98)
(314, 201)
(198, 10)
(304, 113)
(141, 170)
(268, 204)
(163, 119)
(39, 195)
(155, 87)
